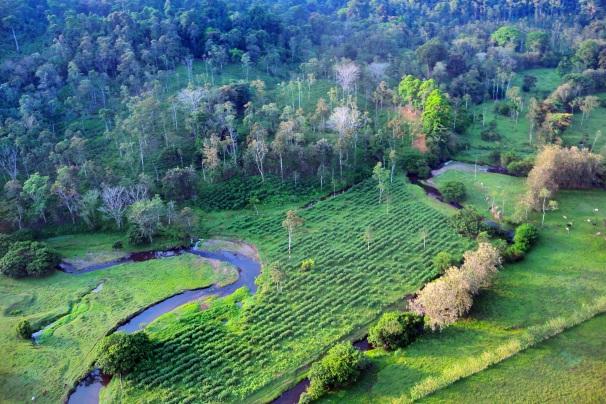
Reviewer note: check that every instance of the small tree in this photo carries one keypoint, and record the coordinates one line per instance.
(544, 194)
(291, 223)
(380, 175)
(369, 236)
(24, 329)
(468, 221)
(277, 276)
(121, 352)
(395, 330)
(254, 201)
(442, 261)
(340, 366)
(423, 234)
(453, 191)
(146, 216)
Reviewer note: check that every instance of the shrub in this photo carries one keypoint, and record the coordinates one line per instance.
(28, 258)
(490, 135)
(121, 352)
(395, 330)
(525, 236)
(468, 221)
(442, 261)
(24, 329)
(520, 168)
(340, 366)
(135, 237)
(502, 108)
(453, 191)
(307, 264)
(118, 245)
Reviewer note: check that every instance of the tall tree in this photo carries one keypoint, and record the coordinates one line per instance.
(291, 223)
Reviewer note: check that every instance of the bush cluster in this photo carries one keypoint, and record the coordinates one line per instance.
(121, 352)
(453, 191)
(524, 238)
(24, 329)
(28, 259)
(307, 264)
(468, 222)
(395, 330)
(341, 366)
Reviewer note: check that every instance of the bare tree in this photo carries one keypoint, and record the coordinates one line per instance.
(347, 73)
(345, 121)
(115, 202)
(137, 193)
(258, 148)
(8, 160)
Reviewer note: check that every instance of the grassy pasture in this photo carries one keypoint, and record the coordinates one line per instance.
(484, 189)
(66, 350)
(562, 276)
(288, 324)
(514, 136)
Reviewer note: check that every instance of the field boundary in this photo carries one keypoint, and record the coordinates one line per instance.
(533, 336)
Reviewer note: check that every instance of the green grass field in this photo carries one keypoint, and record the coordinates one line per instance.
(568, 368)
(258, 348)
(514, 136)
(485, 189)
(47, 371)
(562, 276)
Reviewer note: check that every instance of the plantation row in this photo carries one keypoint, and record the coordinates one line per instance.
(227, 352)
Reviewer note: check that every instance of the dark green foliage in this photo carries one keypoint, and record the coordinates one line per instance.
(5, 242)
(468, 222)
(179, 183)
(520, 168)
(453, 191)
(415, 163)
(135, 237)
(442, 261)
(24, 329)
(118, 245)
(490, 135)
(502, 108)
(340, 366)
(529, 83)
(395, 330)
(120, 352)
(28, 259)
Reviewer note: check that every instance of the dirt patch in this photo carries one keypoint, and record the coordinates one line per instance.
(236, 246)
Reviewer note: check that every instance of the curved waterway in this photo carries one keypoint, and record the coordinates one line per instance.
(88, 389)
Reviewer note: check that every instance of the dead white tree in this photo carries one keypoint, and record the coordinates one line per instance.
(344, 120)
(8, 160)
(347, 73)
(115, 202)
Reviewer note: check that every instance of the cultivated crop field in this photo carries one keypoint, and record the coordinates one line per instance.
(231, 351)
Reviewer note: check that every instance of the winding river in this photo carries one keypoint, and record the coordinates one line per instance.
(88, 389)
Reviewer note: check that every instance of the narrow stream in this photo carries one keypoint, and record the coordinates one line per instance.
(88, 389)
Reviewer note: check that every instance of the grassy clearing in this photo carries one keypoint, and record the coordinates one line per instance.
(564, 273)
(514, 136)
(568, 368)
(286, 325)
(486, 189)
(67, 349)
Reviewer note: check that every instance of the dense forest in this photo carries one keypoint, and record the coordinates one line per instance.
(175, 96)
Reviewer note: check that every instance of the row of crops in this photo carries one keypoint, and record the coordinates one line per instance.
(232, 349)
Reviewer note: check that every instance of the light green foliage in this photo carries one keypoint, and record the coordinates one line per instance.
(436, 118)
(146, 216)
(537, 41)
(36, 188)
(507, 35)
(339, 367)
(442, 261)
(308, 264)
